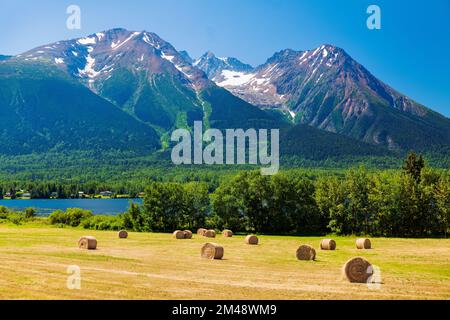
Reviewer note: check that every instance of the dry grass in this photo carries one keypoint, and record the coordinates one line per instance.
(35, 261)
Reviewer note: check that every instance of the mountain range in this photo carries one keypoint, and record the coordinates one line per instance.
(327, 89)
(126, 90)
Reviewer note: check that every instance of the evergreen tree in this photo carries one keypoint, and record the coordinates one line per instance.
(414, 165)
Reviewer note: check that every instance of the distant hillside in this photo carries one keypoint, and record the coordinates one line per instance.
(327, 89)
(41, 109)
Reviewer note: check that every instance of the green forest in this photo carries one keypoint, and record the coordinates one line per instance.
(412, 201)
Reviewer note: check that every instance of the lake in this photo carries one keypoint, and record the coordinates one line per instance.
(97, 206)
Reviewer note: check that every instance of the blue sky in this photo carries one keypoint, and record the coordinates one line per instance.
(410, 52)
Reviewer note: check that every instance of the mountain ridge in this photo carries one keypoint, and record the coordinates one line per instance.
(326, 88)
(162, 89)
(213, 66)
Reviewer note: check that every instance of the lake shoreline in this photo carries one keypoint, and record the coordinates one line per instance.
(45, 207)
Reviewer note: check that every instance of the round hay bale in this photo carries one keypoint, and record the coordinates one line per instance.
(178, 234)
(252, 240)
(88, 243)
(210, 234)
(123, 234)
(201, 232)
(328, 244)
(187, 234)
(357, 270)
(227, 233)
(306, 253)
(212, 251)
(363, 243)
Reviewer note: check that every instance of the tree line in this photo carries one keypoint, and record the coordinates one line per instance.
(413, 202)
(69, 188)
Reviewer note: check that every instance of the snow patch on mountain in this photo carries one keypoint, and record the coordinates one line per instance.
(100, 36)
(88, 70)
(302, 58)
(87, 41)
(234, 78)
(215, 67)
(150, 41)
(119, 44)
(181, 69)
(166, 57)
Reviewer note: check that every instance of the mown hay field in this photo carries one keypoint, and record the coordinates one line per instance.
(34, 262)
